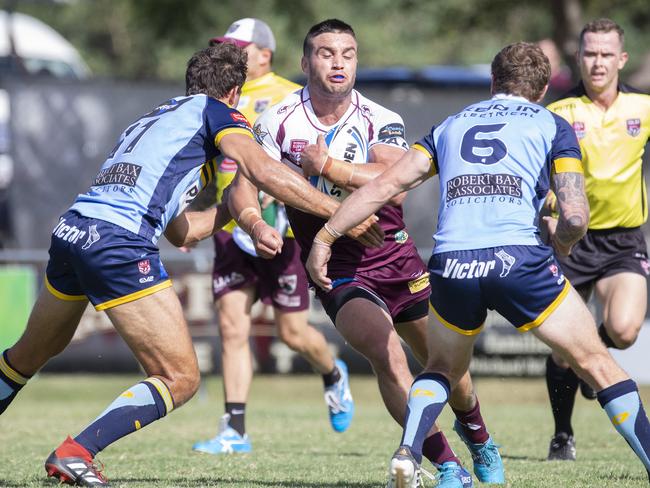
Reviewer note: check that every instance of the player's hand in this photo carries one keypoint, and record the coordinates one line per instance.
(368, 232)
(317, 264)
(551, 227)
(267, 240)
(313, 157)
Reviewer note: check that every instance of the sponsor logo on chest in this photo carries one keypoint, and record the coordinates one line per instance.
(633, 127)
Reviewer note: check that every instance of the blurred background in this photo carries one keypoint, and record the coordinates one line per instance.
(75, 73)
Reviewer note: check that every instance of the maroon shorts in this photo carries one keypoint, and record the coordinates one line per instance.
(401, 287)
(280, 281)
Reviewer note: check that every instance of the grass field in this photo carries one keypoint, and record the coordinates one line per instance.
(292, 441)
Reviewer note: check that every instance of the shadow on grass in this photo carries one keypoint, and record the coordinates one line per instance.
(512, 457)
(234, 482)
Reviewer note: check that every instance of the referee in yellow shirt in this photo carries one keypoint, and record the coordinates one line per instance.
(612, 123)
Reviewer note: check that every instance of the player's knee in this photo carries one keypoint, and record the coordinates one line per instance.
(231, 331)
(183, 384)
(625, 338)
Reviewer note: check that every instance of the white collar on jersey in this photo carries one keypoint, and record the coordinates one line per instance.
(501, 96)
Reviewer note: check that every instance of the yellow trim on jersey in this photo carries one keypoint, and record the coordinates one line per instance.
(432, 168)
(567, 165)
(11, 373)
(455, 328)
(63, 296)
(231, 130)
(160, 385)
(133, 296)
(550, 309)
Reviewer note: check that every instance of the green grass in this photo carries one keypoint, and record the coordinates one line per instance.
(292, 440)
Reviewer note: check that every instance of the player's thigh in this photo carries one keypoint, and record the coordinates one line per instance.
(414, 333)
(368, 328)
(51, 325)
(155, 330)
(570, 331)
(449, 349)
(624, 299)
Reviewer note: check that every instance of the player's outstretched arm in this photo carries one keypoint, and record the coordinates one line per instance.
(191, 227)
(411, 170)
(316, 161)
(289, 187)
(573, 207)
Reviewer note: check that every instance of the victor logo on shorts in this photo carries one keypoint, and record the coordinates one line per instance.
(461, 271)
(70, 233)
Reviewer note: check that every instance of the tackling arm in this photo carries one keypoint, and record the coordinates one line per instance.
(411, 170)
(191, 227)
(315, 160)
(407, 173)
(289, 187)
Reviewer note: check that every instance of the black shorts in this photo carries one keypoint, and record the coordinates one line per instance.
(603, 253)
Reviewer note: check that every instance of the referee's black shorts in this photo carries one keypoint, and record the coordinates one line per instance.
(606, 252)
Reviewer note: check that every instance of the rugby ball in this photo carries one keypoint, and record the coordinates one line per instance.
(345, 142)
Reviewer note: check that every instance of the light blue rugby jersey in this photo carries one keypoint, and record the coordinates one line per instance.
(494, 160)
(160, 164)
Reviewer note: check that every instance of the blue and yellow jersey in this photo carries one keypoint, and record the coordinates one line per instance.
(494, 160)
(160, 164)
(612, 144)
(256, 96)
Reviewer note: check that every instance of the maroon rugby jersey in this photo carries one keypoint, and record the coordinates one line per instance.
(286, 128)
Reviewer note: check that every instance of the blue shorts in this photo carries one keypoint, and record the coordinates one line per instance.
(96, 260)
(523, 283)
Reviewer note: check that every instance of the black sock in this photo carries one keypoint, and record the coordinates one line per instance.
(332, 378)
(562, 385)
(602, 332)
(237, 412)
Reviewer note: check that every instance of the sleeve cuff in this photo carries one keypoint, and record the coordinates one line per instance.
(568, 165)
(231, 130)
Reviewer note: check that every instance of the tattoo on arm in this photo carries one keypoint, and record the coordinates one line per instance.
(573, 207)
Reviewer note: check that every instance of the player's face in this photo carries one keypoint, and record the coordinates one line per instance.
(331, 68)
(259, 61)
(600, 58)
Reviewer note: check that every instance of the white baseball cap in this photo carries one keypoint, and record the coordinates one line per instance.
(248, 31)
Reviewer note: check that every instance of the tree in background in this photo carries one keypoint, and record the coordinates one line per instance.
(153, 38)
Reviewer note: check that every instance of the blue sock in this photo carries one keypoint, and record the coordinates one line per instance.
(624, 408)
(138, 406)
(427, 397)
(11, 381)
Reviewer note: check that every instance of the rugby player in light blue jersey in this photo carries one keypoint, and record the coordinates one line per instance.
(104, 250)
(496, 160)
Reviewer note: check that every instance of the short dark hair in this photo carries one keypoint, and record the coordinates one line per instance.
(330, 25)
(216, 70)
(521, 69)
(602, 25)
